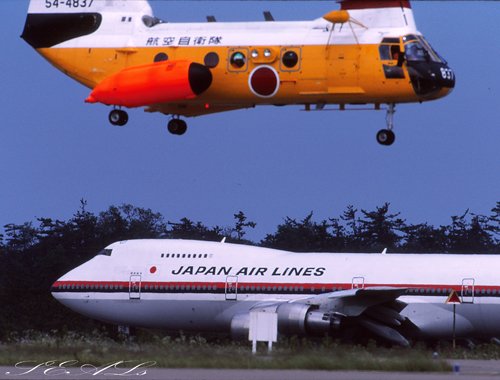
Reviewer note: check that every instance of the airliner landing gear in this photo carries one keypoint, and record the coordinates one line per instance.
(118, 117)
(387, 136)
(177, 126)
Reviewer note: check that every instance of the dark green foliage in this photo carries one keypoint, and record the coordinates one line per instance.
(304, 236)
(375, 230)
(35, 254)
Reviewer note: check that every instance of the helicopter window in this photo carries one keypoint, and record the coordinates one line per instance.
(238, 60)
(409, 37)
(389, 52)
(432, 53)
(151, 21)
(161, 57)
(105, 252)
(419, 50)
(211, 60)
(384, 52)
(390, 40)
(290, 59)
(416, 52)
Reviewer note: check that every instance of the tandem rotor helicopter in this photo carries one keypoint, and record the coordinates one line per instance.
(365, 53)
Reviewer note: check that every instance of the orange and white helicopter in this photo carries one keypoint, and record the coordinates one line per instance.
(366, 52)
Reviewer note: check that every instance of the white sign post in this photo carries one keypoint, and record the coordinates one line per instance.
(263, 328)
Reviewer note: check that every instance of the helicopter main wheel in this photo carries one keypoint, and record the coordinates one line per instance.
(386, 137)
(118, 117)
(177, 127)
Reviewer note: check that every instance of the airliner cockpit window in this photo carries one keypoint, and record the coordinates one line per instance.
(151, 21)
(105, 252)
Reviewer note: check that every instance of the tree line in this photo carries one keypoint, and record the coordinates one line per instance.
(34, 254)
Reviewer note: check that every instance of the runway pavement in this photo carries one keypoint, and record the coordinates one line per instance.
(466, 369)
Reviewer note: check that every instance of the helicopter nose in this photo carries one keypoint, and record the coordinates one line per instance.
(447, 80)
(431, 80)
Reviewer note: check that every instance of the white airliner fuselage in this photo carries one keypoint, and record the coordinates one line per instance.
(206, 286)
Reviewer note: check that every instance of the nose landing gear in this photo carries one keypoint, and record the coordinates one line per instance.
(387, 136)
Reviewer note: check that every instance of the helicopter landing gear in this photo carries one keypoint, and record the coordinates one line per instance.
(177, 126)
(387, 136)
(118, 117)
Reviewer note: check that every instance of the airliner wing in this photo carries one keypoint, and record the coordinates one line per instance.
(376, 309)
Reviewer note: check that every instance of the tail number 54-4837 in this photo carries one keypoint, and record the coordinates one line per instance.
(68, 3)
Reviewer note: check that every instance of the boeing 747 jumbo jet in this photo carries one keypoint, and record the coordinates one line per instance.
(213, 287)
(369, 52)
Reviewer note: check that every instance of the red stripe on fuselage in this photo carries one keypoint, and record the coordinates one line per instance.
(270, 286)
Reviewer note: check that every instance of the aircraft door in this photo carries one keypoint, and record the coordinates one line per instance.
(358, 283)
(135, 286)
(467, 293)
(231, 288)
(392, 58)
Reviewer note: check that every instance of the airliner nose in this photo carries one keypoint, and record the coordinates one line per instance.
(56, 289)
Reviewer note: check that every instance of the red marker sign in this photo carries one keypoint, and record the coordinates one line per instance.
(453, 298)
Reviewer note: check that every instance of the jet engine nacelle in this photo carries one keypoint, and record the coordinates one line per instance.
(300, 319)
(293, 319)
(158, 82)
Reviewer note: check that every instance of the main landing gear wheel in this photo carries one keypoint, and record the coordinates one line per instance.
(177, 127)
(386, 137)
(118, 117)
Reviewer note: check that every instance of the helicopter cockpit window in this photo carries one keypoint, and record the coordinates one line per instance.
(151, 21)
(419, 50)
(435, 57)
(416, 52)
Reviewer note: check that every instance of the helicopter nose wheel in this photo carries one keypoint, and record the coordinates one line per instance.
(118, 117)
(177, 126)
(386, 136)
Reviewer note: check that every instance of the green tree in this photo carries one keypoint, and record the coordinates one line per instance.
(424, 238)
(379, 229)
(187, 229)
(240, 225)
(302, 236)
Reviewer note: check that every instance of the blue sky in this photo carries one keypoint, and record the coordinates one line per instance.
(268, 162)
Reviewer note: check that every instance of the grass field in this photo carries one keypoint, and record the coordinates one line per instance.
(196, 352)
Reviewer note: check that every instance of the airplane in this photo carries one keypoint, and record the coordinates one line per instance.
(200, 286)
(365, 53)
